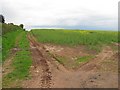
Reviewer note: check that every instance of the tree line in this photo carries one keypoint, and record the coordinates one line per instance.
(8, 27)
(2, 20)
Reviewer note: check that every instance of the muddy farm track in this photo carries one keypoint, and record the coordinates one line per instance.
(47, 72)
(40, 61)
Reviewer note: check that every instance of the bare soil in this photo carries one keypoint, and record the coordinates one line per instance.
(47, 72)
(7, 67)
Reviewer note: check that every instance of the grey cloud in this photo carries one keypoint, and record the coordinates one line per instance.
(47, 13)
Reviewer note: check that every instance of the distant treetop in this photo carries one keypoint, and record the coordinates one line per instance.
(2, 19)
(21, 25)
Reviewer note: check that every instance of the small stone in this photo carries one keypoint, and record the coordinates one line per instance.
(47, 50)
(3, 71)
(37, 71)
(95, 78)
(32, 66)
(91, 81)
(99, 75)
(7, 68)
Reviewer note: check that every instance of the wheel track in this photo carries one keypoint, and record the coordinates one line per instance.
(42, 62)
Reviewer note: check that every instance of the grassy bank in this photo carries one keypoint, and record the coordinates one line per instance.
(9, 35)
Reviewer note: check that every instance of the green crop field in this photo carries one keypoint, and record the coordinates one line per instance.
(92, 39)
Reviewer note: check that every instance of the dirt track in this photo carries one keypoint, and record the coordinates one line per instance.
(46, 72)
(40, 64)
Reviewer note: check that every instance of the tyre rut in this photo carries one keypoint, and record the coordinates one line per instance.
(41, 61)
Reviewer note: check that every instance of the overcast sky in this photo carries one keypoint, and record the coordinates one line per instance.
(74, 14)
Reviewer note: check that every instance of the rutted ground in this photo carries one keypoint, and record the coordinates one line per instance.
(47, 72)
(7, 68)
(40, 65)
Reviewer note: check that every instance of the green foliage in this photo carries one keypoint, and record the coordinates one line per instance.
(83, 59)
(9, 27)
(2, 19)
(92, 39)
(21, 25)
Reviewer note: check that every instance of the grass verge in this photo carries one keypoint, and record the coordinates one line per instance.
(21, 64)
(8, 42)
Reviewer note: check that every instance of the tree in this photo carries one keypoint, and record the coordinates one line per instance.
(2, 19)
(21, 25)
(11, 23)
